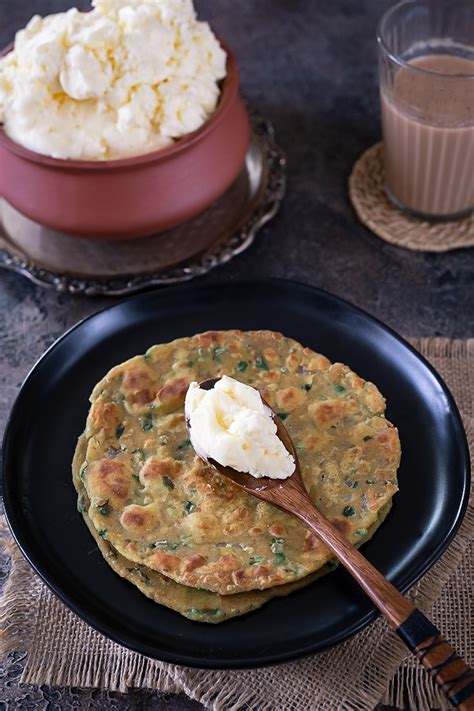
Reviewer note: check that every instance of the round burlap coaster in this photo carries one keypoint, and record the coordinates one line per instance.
(366, 190)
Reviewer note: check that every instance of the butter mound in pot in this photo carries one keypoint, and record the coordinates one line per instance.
(125, 79)
(231, 425)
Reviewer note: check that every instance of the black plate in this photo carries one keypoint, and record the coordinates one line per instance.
(51, 410)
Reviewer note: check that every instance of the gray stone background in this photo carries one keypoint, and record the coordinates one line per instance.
(310, 66)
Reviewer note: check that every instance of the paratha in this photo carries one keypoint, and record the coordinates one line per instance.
(193, 603)
(159, 505)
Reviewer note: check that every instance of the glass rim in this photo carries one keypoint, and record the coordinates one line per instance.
(398, 60)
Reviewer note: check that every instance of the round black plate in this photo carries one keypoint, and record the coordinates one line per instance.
(50, 412)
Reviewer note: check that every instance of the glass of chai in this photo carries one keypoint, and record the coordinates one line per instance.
(426, 63)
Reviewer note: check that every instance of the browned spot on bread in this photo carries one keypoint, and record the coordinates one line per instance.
(260, 571)
(312, 441)
(138, 385)
(143, 397)
(238, 577)
(311, 541)
(228, 561)
(316, 360)
(272, 376)
(137, 519)
(164, 562)
(209, 337)
(331, 412)
(342, 526)
(290, 398)
(292, 362)
(104, 415)
(255, 531)
(277, 530)
(136, 378)
(155, 468)
(171, 396)
(193, 562)
(271, 356)
(110, 478)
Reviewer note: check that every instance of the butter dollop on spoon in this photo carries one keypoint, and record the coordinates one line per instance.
(231, 424)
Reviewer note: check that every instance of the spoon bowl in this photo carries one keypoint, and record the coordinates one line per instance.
(263, 486)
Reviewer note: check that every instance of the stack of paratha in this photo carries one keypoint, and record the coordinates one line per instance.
(188, 537)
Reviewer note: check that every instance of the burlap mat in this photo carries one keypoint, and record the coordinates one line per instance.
(375, 211)
(63, 651)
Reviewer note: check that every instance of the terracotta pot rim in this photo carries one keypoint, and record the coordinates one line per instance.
(230, 88)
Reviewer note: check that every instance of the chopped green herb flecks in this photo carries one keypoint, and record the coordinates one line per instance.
(282, 415)
(147, 356)
(185, 443)
(195, 613)
(242, 365)
(355, 484)
(81, 503)
(332, 564)
(166, 544)
(348, 511)
(83, 471)
(260, 363)
(103, 507)
(370, 481)
(256, 560)
(101, 532)
(152, 545)
(189, 506)
(119, 430)
(367, 437)
(136, 477)
(276, 544)
(218, 352)
(362, 532)
(148, 422)
(277, 549)
(167, 482)
(340, 388)
(306, 387)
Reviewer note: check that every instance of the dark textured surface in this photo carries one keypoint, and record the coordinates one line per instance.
(311, 68)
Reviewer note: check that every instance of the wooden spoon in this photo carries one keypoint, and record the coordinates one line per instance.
(418, 633)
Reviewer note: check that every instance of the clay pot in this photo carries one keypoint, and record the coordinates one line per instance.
(132, 197)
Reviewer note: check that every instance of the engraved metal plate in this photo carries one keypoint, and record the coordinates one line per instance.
(81, 266)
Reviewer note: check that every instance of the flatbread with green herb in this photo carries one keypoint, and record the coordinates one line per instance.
(161, 506)
(193, 603)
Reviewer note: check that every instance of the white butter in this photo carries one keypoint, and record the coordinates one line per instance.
(125, 79)
(231, 425)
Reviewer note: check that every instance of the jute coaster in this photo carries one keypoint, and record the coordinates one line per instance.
(62, 651)
(375, 211)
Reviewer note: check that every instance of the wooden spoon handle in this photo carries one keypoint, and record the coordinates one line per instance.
(418, 633)
(439, 659)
